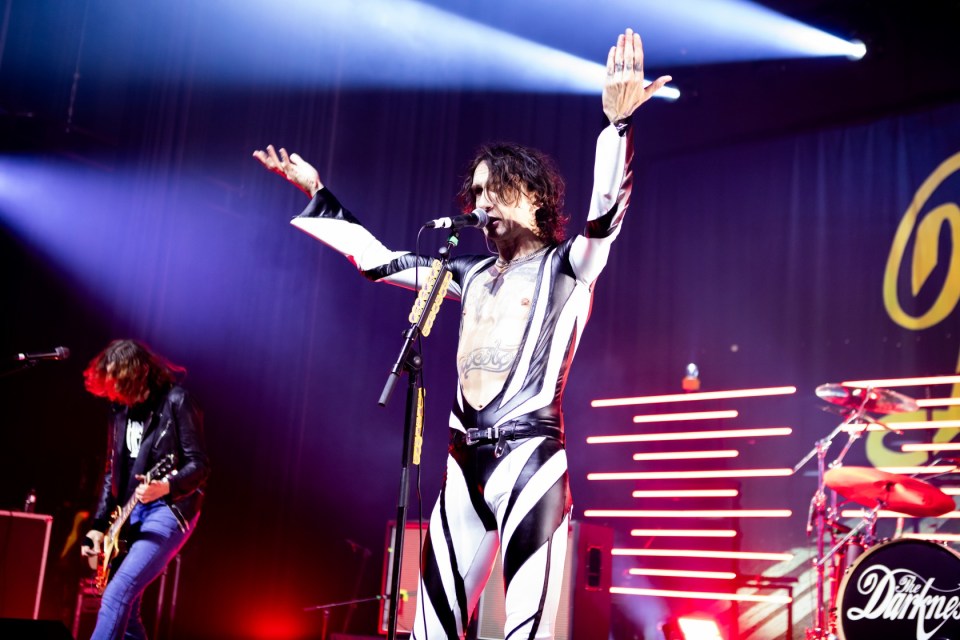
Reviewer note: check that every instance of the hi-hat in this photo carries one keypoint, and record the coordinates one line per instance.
(871, 487)
(868, 400)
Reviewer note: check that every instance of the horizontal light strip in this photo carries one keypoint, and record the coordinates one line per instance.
(951, 491)
(902, 382)
(679, 573)
(682, 417)
(691, 435)
(686, 493)
(699, 553)
(943, 446)
(683, 533)
(906, 426)
(687, 455)
(688, 513)
(937, 402)
(700, 595)
(688, 475)
(858, 513)
(690, 397)
(906, 471)
(937, 537)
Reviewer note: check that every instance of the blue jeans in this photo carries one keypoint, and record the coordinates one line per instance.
(159, 539)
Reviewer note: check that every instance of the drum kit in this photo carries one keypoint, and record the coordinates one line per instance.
(870, 580)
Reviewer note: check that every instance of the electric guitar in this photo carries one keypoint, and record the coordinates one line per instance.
(111, 539)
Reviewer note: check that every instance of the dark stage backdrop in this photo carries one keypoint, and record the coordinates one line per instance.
(764, 262)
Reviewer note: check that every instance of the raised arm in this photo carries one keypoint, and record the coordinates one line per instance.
(330, 222)
(623, 93)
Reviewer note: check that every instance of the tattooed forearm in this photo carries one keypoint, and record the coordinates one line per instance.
(494, 359)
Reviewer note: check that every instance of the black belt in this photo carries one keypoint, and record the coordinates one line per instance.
(509, 431)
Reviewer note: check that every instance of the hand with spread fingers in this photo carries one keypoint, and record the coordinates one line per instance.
(292, 167)
(623, 90)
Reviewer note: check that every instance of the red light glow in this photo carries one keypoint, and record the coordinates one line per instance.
(691, 397)
(688, 513)
(692, 435)
(686, 475)
(699, 629)
(680, 417)
(701, 595)
(687, 455)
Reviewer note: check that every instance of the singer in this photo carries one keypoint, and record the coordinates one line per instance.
(151, 416)
(523, 313)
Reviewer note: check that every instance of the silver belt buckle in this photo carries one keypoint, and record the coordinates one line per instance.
(476, 435)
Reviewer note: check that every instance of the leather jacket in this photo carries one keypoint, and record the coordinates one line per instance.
(173, 424)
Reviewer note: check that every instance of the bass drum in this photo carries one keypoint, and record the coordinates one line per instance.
(904, 589)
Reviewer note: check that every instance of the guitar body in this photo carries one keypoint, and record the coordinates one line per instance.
(114, 547)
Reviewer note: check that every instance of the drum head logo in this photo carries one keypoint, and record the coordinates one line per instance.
(903, 589)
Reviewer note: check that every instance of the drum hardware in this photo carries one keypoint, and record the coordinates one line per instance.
(856, 403)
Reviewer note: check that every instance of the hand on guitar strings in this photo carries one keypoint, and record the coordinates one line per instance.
(154, 490)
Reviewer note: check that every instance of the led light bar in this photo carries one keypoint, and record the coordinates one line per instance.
(691, 397)
(683, 533)
(938, 402)
(905, 426)
(692, 435)
(861, 513)
(679, 573)
(688, 513)
(689, 475)
(902, 382)
(685, 493)
(682, 417)
(687, 455)
(942, 446)
(909, 471)
(699, 553)
(701, 595)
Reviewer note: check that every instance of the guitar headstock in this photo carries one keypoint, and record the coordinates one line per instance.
(162, 469)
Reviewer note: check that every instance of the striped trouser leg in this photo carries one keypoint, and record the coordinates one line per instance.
(533, 516)
(458, 555)
(522, 496)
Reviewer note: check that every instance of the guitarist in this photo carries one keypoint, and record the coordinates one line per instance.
(152, 416)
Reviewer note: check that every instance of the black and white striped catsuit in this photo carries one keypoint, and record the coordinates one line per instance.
(517, 501)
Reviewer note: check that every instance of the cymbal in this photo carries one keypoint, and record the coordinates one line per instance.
(869, 487)
(871, 400)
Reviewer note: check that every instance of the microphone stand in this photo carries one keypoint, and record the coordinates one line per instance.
(421, 320)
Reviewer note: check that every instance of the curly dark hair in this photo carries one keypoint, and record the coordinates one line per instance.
(133, 371)
(516, 170)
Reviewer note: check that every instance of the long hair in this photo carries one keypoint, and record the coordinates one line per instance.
(130, 369)
(517, 170)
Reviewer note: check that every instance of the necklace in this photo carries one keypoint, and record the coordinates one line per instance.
(503, 265)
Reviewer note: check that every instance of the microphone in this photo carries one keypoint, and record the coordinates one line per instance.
(60, 353)
(476, 218)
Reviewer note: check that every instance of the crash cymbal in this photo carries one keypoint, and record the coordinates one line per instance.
(869, 400)
(869, 487)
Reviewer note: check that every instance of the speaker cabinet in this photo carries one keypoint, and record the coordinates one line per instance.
(24, 540)
(584, 611)
(409, 577)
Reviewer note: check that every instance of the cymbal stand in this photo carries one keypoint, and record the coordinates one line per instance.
(820, 515)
